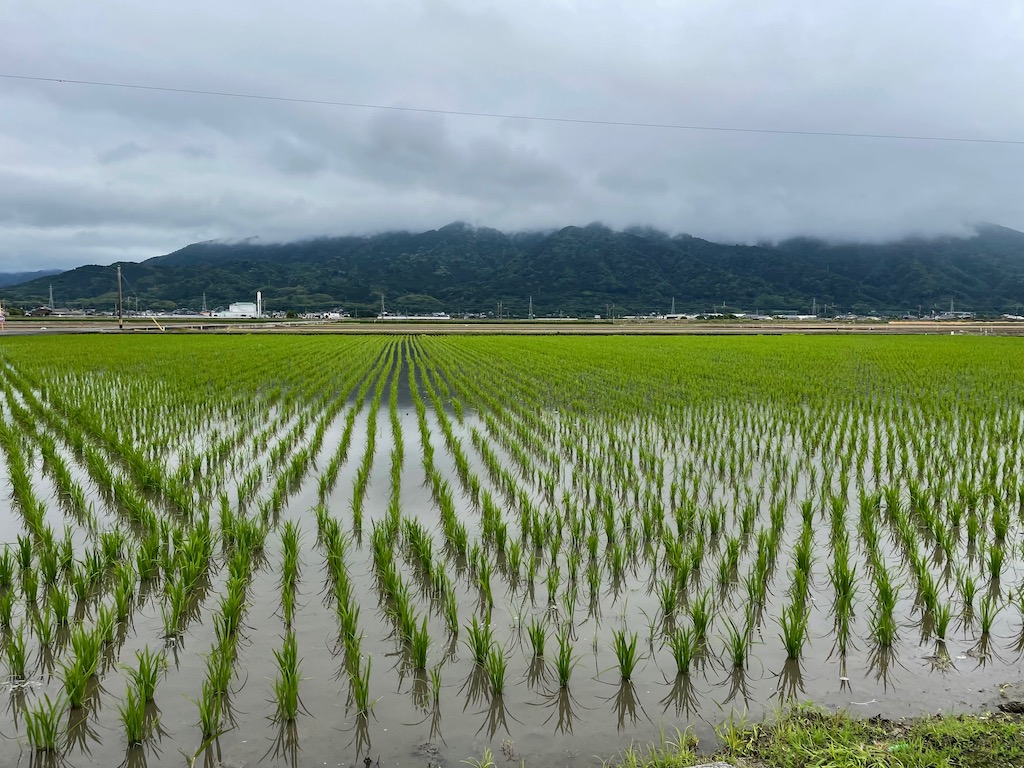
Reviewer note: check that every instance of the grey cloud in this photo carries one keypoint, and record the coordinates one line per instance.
(90, 173)
(121, 153)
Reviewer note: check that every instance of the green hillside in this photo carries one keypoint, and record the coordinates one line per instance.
(572, 271)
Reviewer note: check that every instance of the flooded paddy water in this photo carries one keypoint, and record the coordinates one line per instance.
(409, 551)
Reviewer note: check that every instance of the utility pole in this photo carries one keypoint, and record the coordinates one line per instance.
(120, 312)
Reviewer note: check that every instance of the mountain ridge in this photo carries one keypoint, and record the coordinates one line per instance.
(571, 270)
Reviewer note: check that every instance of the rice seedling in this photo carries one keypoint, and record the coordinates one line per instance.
(564, 661)
(419, 643)
(360, 680)
(145, 675)
(75, 678)
(7, 566)
(683, 644)
(537, 631)
(210, 706)
(996, 558)
(968, 589)
(286, 686)
(30, 587)
(700, 618)
(6, 610)
(219, 670)
(480, 638)
(132, 711)
(495, 668)
(793, 623)
(87, 647)
(988, 609)
(736, 645)
(44, 627)
(624, 646)
(435, 684)
(943, 613)
(43, 724)
(17, 655)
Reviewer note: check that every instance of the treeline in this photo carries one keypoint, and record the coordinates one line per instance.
(578, 271)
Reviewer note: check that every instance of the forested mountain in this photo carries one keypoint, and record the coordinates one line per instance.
(572, 271)
(15, 278)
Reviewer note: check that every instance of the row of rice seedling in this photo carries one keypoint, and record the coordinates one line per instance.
(624, 507)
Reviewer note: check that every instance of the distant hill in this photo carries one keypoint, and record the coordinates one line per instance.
(572, 271)
(15, 278)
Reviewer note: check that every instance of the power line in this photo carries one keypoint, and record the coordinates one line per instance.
(508, 116)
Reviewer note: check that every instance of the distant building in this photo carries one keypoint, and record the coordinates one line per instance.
(240, 309)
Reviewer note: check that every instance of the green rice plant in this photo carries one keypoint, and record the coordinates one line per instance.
(106, 621)
(724, 576)
(968, 589)
(30, 587)
(75, 679)
(24, 552)
(43, 625)
(883, 626)
(668, 596)
(564, 661)
(793, 623)
(844, 586)
(800, 588)
(219, 670)
(7, 566)
(210, 706)
(484, 580)
(736, 645)
(514, 559)
(537, 632)
(479, 641)
(552, 584)
(495, 668)
(700, 618)
(288, 607)
(683, 644)
(87, 647)
(624, 646)
(286, 686)
(987, 611)
(17, 655)
(173, 610)
(6, 610)
(43, 724)
(973, 527)
(360, 680)
(942, 616)
(928, 590)
(996, 558)
(419, 642)
(435, 684)
(132, 710)
(145, 675)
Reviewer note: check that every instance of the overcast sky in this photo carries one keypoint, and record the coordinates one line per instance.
(94, 175)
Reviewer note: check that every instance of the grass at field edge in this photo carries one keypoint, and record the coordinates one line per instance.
(808, 736)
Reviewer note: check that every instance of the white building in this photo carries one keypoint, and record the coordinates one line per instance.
(240, 309)
(244, 308)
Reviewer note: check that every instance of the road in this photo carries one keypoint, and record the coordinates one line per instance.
(52, 326)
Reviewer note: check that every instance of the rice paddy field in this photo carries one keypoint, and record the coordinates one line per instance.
(422, 550)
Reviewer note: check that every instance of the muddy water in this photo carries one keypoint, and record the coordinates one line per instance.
(534, 720)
